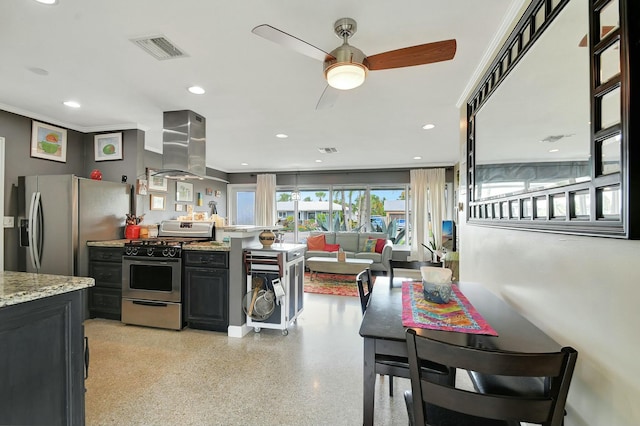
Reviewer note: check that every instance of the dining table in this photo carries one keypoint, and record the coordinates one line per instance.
(384, 334)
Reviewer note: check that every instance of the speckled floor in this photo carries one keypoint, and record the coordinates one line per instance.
(313, 376)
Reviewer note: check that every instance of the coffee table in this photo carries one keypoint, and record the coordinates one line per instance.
(331, 265)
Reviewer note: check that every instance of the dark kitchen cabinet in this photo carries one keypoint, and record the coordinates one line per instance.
(206, 283)
(105, 299)
(43, 361)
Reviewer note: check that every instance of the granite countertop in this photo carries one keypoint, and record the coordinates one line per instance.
(207, 246)
(19, 287)
(108, 243)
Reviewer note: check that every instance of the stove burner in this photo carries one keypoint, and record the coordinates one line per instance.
(158, 247)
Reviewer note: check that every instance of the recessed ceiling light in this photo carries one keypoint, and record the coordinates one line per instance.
(196, 90)
(554, 150)
(244, 164)
(72, 104)
(281, 136)
(318, 161)
(428, 126)
(417, 158)
(47, 1)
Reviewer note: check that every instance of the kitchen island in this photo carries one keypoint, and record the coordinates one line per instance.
(43, 352)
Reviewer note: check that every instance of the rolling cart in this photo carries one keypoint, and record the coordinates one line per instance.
(275, 286)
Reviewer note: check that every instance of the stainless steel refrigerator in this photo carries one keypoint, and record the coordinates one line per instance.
(60, 213)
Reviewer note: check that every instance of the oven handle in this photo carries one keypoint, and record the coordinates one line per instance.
(147, 261)
(147, 303)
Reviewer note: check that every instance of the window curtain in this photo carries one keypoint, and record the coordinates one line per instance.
(266, 200)
(427, 195)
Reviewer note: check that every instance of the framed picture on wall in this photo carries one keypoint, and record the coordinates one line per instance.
(157, 201)
(108, 147)
(184, 191)
(48, 142)
(156, 183)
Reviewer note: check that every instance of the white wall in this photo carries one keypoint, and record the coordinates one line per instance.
(582, 291)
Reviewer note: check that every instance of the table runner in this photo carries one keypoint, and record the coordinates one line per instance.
(457, 315)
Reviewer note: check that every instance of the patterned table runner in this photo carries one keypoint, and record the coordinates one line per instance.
(457, 315)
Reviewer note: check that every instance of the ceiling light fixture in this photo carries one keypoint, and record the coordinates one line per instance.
(417, 157)
(428, 126)
(281, 136)
(554, 150)
(196, 90)
(72, 104)
(49, 2)
(318, 161)
(244, 164)
(346, 76)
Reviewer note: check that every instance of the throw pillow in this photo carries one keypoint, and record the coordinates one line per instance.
(331, 247)
(369, 246)
(380, 242)
(316, 243)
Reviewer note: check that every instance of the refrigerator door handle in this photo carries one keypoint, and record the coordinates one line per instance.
(35, 237)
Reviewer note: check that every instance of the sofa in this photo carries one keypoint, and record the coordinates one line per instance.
(354, 244)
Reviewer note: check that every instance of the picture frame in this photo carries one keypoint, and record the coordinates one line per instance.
(108, 146)
(142, 186)
(179, 207)
(48, 142)
(184, 191)
(156, 183)
(157, 202)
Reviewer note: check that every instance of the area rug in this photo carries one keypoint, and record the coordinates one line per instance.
(339, 285)
(457, 315)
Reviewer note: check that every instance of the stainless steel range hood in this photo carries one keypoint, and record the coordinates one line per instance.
(184, 146)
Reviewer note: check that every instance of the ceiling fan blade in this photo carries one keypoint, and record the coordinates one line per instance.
(416, 55)
(290, 42)
(328, 98)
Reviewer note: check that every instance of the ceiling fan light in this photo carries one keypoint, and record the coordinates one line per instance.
(346, 76)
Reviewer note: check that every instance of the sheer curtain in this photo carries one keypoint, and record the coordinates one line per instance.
(266, 200)
(427, 195)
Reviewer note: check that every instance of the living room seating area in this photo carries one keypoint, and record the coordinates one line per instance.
(359, 245)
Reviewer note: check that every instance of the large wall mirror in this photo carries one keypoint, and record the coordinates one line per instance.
(545, 141)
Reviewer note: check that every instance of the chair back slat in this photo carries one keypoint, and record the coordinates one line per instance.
(364, 282)
(546, 408)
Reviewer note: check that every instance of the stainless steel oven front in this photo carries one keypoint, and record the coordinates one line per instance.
(152, 291)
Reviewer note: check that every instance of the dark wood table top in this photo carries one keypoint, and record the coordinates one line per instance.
(383, 320)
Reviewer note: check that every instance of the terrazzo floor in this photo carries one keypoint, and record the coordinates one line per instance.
(313, 376)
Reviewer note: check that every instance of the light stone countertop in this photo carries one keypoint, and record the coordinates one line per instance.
(207, 246)
(19, 287)
(108, 243)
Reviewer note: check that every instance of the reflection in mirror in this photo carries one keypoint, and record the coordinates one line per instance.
(582, 204)
(559, 209)
(611, 155)
(610, 115)
(534, 132)
(610, 62)
(609, 18)
(610, 201)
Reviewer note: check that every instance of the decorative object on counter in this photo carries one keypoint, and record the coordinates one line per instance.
(108, 147)
(156, 183)
(132, 232)
(436, 284)
(184, 191)
(132, 219)
(48, 142)
(267, 237)
(157, 202)
(141, 187)
(96, 174)
(152, 230)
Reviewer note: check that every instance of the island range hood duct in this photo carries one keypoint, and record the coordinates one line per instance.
(184, 146)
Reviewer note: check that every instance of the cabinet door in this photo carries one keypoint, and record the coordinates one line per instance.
(106, 274)
(42, 375)
(207, 298)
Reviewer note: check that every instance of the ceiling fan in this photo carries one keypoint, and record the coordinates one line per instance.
(346, 67)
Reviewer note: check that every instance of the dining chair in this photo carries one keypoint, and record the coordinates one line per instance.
(435, 404)
(407, 269)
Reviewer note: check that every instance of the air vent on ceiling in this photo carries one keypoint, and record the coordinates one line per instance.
(159, 47)
(328, 150)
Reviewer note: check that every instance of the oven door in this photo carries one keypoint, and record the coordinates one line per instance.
(157, 279)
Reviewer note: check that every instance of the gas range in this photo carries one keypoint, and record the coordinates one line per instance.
(173, 235)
